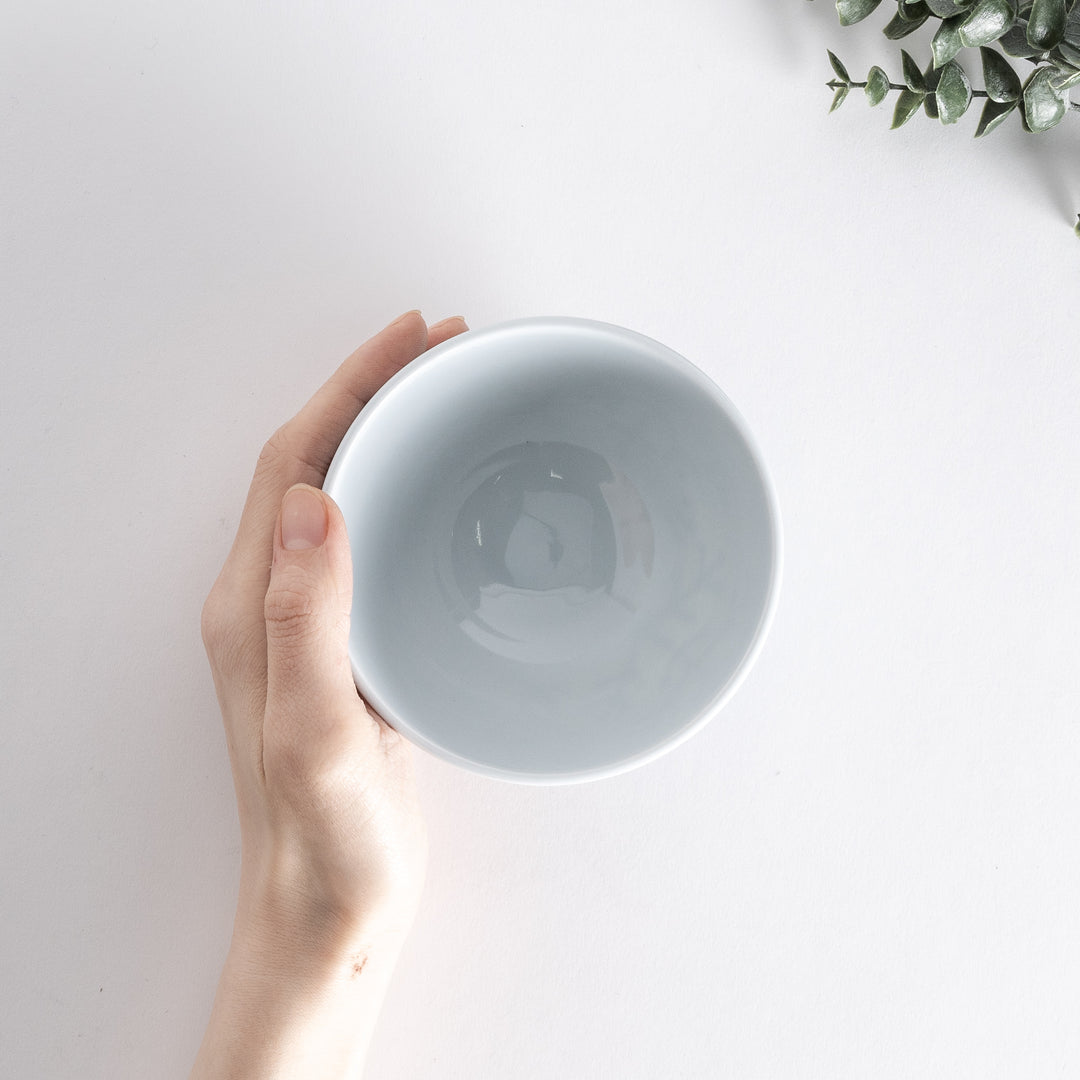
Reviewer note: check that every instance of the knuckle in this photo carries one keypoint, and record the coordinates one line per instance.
(290, 608)
(216, 619)
(275, 451)
(226, 637)
(288, 456)
(283, 457)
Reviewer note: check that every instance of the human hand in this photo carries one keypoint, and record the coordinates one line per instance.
(333, 844)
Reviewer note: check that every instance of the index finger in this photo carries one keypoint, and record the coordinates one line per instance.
(301, 450)
(313, 434)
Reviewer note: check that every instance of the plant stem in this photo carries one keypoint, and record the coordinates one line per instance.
(835, 84)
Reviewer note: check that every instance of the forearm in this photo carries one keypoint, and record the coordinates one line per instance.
(293, 1005)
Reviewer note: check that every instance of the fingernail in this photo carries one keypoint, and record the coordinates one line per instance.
(400, 318)
(303, 519)
(452, 318)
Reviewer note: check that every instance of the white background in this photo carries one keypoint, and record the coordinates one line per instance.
(868, 865)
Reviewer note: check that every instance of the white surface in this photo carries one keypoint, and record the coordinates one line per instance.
(868, 866)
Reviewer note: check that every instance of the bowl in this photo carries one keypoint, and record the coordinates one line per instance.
(566, 549)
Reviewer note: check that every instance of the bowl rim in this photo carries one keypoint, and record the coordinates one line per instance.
(671, 358)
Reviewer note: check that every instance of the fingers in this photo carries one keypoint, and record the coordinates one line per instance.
(299, 452)
(312, 709)
(443, 331)
(312, 436)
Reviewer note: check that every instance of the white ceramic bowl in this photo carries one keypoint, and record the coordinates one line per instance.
(566, 549)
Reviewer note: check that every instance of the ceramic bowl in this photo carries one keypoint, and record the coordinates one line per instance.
(566, 549)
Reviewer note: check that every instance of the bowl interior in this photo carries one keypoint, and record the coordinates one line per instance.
(564, 548)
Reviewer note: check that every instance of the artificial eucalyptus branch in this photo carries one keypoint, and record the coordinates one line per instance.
(1046, 33)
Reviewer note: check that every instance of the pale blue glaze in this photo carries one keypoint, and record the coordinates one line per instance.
(566, 549)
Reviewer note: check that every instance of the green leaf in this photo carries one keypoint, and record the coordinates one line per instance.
(947, 43)
(911, 10)
(946, 9)
(1046, 26)
(912, 75)
(1044, 107)
(877, 86)
(987, 21)
(1014, 41)
(1066, 80)
(839, 68)
(898, 27)
(1076, 227)
(993, 114)
(1068, 53)
(931, 75)
(953, 93)
(1001, 82)
(838, 97)
(907, 105)
(853, 11)
(1072, 26)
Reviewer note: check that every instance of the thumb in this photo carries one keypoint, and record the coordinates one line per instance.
(309, 679)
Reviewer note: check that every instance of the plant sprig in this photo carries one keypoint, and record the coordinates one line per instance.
(1046, 33)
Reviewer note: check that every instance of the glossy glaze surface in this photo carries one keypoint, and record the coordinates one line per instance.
(565, 549)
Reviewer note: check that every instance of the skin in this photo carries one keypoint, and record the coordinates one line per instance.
(333, 843)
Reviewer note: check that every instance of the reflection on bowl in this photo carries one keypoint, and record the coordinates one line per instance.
(551, 551)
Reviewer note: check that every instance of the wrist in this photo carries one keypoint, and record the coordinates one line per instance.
(312, 947)
(299, 994)
(286, 903)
